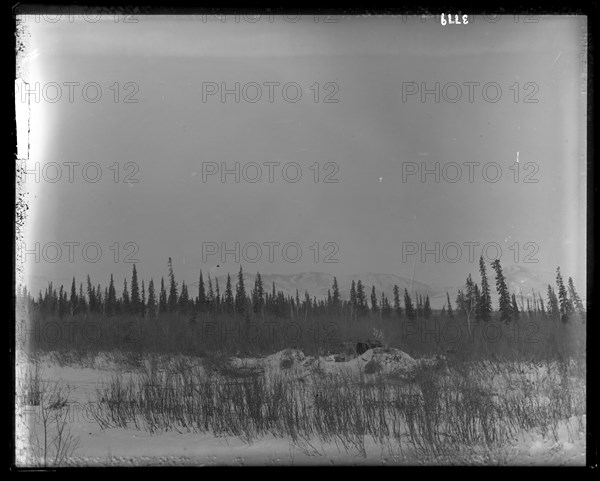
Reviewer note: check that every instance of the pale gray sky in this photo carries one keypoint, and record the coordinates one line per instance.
(369, 133)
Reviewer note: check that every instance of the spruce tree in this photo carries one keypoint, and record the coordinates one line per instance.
(91, 295)
(408, 306)
(49, 300)
(484, 308)
(565, 304)
(335, 299)
(514, 308)
(218, 300)
(553, 308)
(173, 296)
(81, 298)
(229, 307)
(41, 302)
(201, 303)
(374, 306)
(471, 298)
(361, 299)
(151, 308)
(99, 301)
(162, 297)
(74, 302)
(48, 296)
(135, 293)
(184, 299)
(210, 296)
(111, 300)
(307, 304)
(353, 300)
(419, 307)
(449, 310)
(258, 295)
(427, 308)
(240, 294)
(63, 301)
(385, 306)
(504, 301)
(272, 301)
(62, 306)
(575, 299)
(143, 301)
(397, 306)
(126, 299)
(55, 301)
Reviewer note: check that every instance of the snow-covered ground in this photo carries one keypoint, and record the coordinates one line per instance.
(125, 447)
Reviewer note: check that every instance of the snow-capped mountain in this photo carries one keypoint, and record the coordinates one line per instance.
(520, 279)
(318, 283)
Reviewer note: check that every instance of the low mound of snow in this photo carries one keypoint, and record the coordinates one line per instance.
(374, 360)
(286, 359)
(387, 358)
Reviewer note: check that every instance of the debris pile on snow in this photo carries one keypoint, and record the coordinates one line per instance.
(363, 347)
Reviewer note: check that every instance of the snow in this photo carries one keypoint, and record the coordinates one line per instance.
(389, 359)
(133, 447)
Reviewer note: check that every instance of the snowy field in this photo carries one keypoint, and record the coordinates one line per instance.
(381, 408)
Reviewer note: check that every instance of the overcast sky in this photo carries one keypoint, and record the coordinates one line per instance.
(369, 134)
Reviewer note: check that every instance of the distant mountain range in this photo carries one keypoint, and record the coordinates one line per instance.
(317, 283)
(520, 279)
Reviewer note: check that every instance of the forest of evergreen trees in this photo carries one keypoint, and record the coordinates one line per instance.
(166, 318)
(474, 301)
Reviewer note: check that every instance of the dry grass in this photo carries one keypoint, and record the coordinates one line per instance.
(50, 441)
(472, 406)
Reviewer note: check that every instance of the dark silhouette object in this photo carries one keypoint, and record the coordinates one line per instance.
(362, 347)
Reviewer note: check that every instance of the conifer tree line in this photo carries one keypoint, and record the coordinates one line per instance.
(474, 301)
